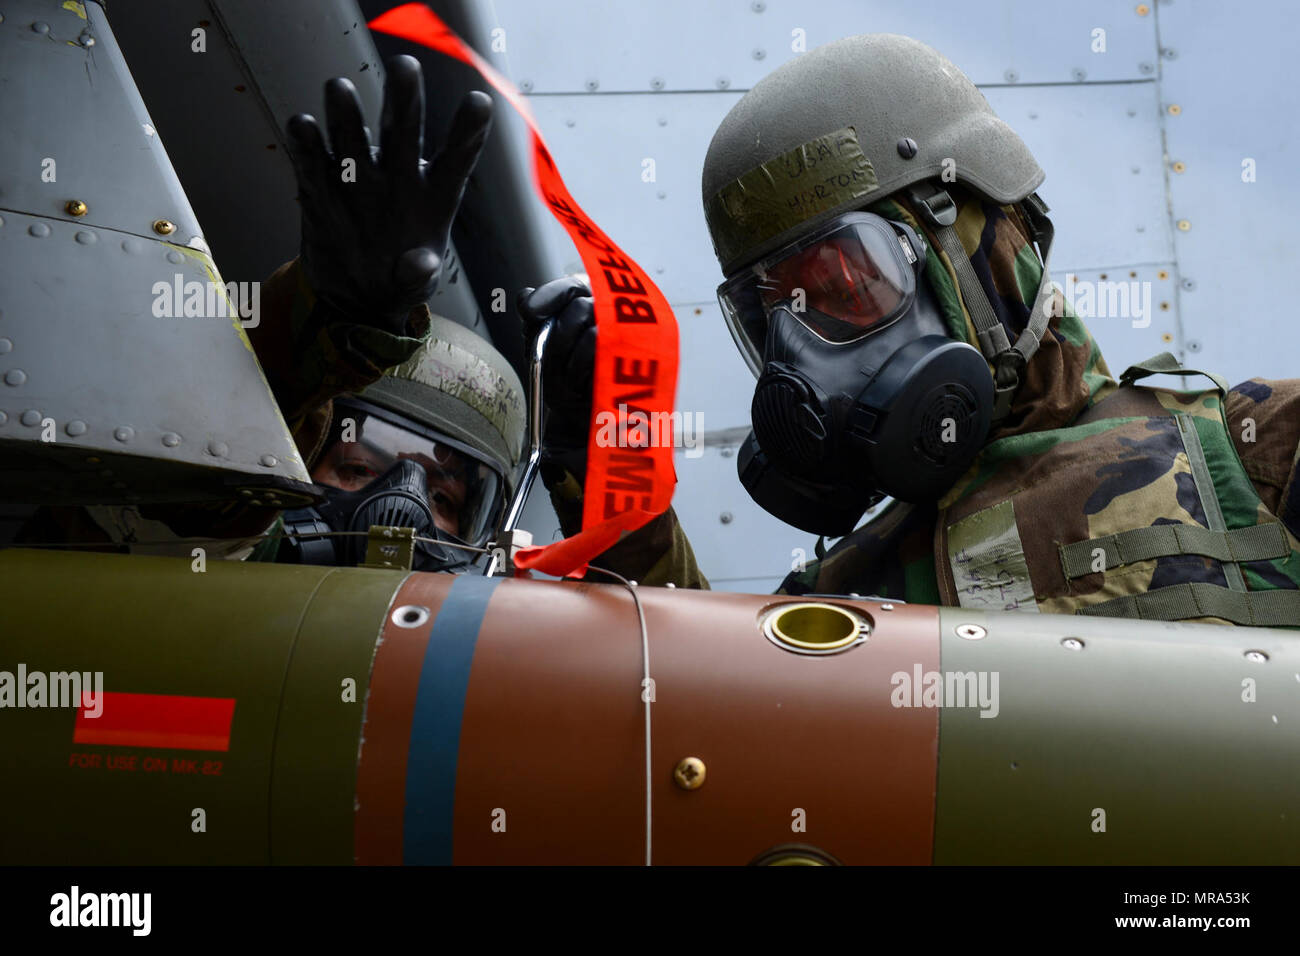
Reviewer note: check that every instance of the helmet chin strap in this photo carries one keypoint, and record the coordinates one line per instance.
(1008, 359)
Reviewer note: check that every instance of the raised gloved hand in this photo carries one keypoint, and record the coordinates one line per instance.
(570, 359)
(375, 230)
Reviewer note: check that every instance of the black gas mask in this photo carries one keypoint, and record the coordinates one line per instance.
(861, 393)
(378, 469)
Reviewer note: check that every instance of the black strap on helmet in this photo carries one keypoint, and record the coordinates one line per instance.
(1009, 360)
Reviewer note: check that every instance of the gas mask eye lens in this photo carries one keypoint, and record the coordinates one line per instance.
(842, 282)
(846, 292)
(356, 474)
(351, 466)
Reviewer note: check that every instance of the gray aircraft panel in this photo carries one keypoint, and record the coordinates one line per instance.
(713, 381)
(1130, 311)
(1100, 147)
(1228, 70)
(603, 145)
(746, 585)
(198, 399)
(127, 376)
(50, 164)
(689, 45)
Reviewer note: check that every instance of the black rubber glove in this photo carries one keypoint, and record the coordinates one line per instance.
(568, 366)
(372, 248)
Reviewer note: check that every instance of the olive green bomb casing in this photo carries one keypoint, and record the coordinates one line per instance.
(126, 374)
(239, 712)
(1118, 743)
(261, 713)
(844, 125)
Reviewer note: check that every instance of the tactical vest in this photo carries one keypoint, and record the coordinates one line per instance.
(1141, 508)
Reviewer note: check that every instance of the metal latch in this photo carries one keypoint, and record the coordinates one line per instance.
(390, 548)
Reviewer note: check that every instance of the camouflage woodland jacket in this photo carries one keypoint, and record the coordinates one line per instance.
(1149, 505)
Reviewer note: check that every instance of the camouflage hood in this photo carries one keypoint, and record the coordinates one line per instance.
(1067, 374)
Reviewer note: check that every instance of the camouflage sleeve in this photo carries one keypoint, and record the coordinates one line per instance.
(1263, 418)
(890, 556)
(311, 354)
(656, 554)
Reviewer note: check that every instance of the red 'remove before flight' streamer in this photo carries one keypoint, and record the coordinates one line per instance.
(636, 341)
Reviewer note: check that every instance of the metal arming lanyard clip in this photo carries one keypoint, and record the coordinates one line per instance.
(507, 538)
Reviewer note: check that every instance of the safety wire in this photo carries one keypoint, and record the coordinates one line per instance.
(451, 544)
(646, 683)
(252, 537)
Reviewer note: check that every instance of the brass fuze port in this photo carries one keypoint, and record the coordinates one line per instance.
(814, 628)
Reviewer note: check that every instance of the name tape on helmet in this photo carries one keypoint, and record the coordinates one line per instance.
(822, 174)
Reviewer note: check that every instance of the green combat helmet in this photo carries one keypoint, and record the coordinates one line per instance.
(434, 445)
(461, 385)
